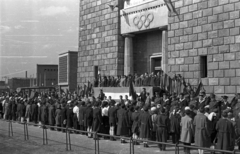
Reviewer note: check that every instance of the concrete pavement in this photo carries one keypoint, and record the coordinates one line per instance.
(57, 140)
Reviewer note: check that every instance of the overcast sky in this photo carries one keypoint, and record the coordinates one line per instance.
(35, 32)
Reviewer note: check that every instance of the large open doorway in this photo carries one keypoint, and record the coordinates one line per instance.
(156, 63)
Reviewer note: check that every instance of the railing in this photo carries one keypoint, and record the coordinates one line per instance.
(96, 135)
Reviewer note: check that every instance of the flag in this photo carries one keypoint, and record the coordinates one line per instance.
(84, 90)
(200, 86)
(170, 6)
(132, 91)
(78, 89)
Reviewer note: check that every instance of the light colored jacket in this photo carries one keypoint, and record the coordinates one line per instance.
(187, 132)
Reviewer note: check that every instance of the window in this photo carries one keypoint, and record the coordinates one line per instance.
(203, 66)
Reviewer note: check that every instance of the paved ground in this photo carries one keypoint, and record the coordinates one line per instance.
(56, 144)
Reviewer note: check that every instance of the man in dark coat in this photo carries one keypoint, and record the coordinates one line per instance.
(51, 114)
(14, 110)
(34, 112)
(63, 116)
(201, 102)
(143, 95)
(123, 122)
(97, 118)
(70, 115)
(175, 120)
(135, 125)
(225, 104)
(88, 119)
(162, 123)
(238, 131)
(101, 95)
(145, 125)
(226, 134)
(43, 114)
(182, 102)
(112, 114)
(82, 110)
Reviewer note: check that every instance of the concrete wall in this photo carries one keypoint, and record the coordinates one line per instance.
(206, 27)
(99, 41)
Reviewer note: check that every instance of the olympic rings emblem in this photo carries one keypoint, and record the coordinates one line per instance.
(143, 20)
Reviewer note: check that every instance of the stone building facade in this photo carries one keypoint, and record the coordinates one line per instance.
(120, 40)
(100, 45)
(206, 29)
(199, 39)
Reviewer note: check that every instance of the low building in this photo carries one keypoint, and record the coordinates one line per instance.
(47, 75)
(15, 83)
(67, 74)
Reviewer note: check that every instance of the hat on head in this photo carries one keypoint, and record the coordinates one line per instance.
(68, 102)
(212, 95)
(187, 108)
(153, 109)
(225, 97)
(207, 106)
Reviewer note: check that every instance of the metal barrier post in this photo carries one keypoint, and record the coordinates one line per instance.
(24, 128)
(130, 143)
(69, 140)
(46, 135)
(97, 143)
(66, 138)
(234, 151)
(133, 145)
(27, 131)
(43, 136)
(176, 149)
(11, 129)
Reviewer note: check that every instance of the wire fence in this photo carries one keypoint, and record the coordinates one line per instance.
(96, 139)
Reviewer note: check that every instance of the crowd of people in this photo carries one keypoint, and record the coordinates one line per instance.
(202, 121)
(153, 79)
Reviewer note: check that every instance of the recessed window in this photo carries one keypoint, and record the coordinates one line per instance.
(203, 66)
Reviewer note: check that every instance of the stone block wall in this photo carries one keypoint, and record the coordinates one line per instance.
(99, 41)
(206, 27)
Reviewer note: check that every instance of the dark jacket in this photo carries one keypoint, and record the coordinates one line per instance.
(88, 117)
(202, 130)
(112, 114)
(97, 119)
(145, 124)
(226, 135)
(70, 115)
(123, 122)
(82, 110)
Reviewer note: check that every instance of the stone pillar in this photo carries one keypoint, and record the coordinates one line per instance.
(164, 51)
(128, 54)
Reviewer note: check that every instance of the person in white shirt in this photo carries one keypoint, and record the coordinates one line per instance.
(76, 116)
